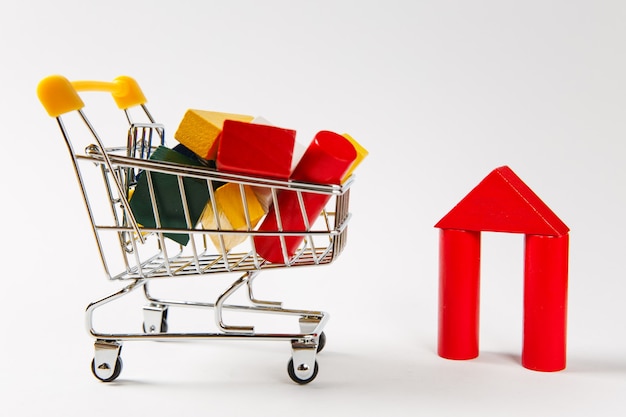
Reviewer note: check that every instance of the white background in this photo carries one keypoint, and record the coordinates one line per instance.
(439, 92)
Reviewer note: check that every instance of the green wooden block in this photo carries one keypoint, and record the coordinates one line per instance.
(168, 197)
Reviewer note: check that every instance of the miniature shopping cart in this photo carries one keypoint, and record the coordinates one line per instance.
(137, 255)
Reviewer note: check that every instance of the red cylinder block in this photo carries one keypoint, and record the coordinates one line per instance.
(459, 293)
(325, 161)
(545, 302)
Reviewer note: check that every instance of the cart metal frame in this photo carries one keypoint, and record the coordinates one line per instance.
(143, 254)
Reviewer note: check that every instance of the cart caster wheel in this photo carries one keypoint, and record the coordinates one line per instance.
(322, 342)
(105, 367)
(152, 328)
(295, 378)
(154, 319)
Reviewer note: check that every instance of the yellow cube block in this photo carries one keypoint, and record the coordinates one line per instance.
(200, 130)
(229, 201)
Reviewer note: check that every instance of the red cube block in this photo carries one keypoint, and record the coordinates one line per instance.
(255, 149)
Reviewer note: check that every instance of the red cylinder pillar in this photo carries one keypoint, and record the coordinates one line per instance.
(459, 293)
(325, 161)
(545, 302)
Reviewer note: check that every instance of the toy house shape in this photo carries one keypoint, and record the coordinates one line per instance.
(502, 202)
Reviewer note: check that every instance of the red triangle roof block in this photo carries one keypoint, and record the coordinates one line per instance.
(503, 203)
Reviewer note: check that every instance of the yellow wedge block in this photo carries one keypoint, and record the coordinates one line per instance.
(200, 130)
(231, 213)
(361, 153)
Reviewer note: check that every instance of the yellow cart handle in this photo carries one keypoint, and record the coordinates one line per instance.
(59, 95)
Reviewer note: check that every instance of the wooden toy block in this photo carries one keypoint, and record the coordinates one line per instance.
(256, 149)
(229, 201)
(200, 130)
(167, 196)
(361, 153)
(325, 161)
(502, 202)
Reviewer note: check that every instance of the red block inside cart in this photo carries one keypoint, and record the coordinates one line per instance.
(326, 161)
(255, 149)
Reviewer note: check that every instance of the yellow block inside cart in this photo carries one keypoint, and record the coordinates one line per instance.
(231, 214)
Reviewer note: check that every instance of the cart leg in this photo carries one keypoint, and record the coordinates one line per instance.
(302, 367)
(220, 304)
(255, 301)
(107, 364)
(308, 325)
(155, 318)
